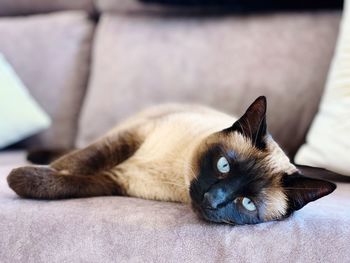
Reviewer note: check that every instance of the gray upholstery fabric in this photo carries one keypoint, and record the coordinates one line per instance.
(120, 229)
(116, 6)
(51, 55)
(22, 7)
(223, 62)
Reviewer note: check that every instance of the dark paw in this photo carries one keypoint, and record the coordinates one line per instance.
(30, 181)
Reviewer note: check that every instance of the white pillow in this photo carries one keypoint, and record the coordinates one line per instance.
(20, 115)
(328, 141)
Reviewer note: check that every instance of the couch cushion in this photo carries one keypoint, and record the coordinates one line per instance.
(225, 62)
(121, 229)
(328, 141)
(22, 7)
(50, 53)
(124, 6)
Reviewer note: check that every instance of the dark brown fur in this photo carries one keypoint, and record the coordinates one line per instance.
(48, 183)
(81, 173)
(102, 155)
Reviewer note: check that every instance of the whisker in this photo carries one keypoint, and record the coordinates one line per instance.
(300, 188)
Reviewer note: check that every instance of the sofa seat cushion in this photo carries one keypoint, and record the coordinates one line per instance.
(223, 61)
(51, 54)
(122, 229)
(24, 7)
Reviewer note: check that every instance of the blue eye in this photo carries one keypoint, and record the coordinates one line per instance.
(248, 204)
(223, 165)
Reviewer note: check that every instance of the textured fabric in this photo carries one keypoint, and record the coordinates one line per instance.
(50, 53)
(182, 6)
(328, 142)
(22, 7)
(223, 62)
(17, 122)
(120, 229)
(124, 6)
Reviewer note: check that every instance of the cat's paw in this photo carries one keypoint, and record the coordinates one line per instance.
(31, 181)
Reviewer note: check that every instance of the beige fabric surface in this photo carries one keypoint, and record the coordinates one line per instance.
(51, 53)
(223, 62)
(22, 7)
(121, 229)
(328, 142)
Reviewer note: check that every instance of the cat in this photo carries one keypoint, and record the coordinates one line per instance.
(230, 171)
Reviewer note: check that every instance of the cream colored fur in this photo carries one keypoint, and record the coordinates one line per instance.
(161, 168)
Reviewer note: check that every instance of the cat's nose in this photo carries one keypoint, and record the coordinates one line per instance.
(214, 199)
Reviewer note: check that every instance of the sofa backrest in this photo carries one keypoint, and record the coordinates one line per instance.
(51, 55)
(221, 61)
(141, 58)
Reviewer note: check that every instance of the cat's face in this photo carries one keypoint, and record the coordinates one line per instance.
(243, 177)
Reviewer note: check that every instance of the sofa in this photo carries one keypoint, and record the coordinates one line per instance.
(90, 64)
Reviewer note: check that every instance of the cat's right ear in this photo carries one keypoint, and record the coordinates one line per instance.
(253, 123)
(301, 190)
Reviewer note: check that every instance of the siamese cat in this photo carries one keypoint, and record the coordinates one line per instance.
(231, 171)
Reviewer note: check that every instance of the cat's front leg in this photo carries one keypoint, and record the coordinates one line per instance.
(48, 183)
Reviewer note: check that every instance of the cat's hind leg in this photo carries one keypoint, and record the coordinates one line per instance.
(104, 154)
(81, 173)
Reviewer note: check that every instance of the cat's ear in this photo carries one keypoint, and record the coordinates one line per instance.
(253, 123)
(301, 190)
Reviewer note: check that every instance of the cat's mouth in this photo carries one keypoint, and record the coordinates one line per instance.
(203, 211)
(210, 214)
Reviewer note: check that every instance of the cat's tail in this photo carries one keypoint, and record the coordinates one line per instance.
(45, 156)
(47, 183)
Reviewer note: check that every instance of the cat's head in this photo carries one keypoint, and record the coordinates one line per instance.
(243, 177)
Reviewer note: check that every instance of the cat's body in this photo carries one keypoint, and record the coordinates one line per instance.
(168, 153)
(160, 169)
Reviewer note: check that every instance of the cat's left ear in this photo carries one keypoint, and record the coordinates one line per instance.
(253, 123)
(301, 190)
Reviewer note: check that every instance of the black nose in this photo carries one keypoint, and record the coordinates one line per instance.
(215, 199)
